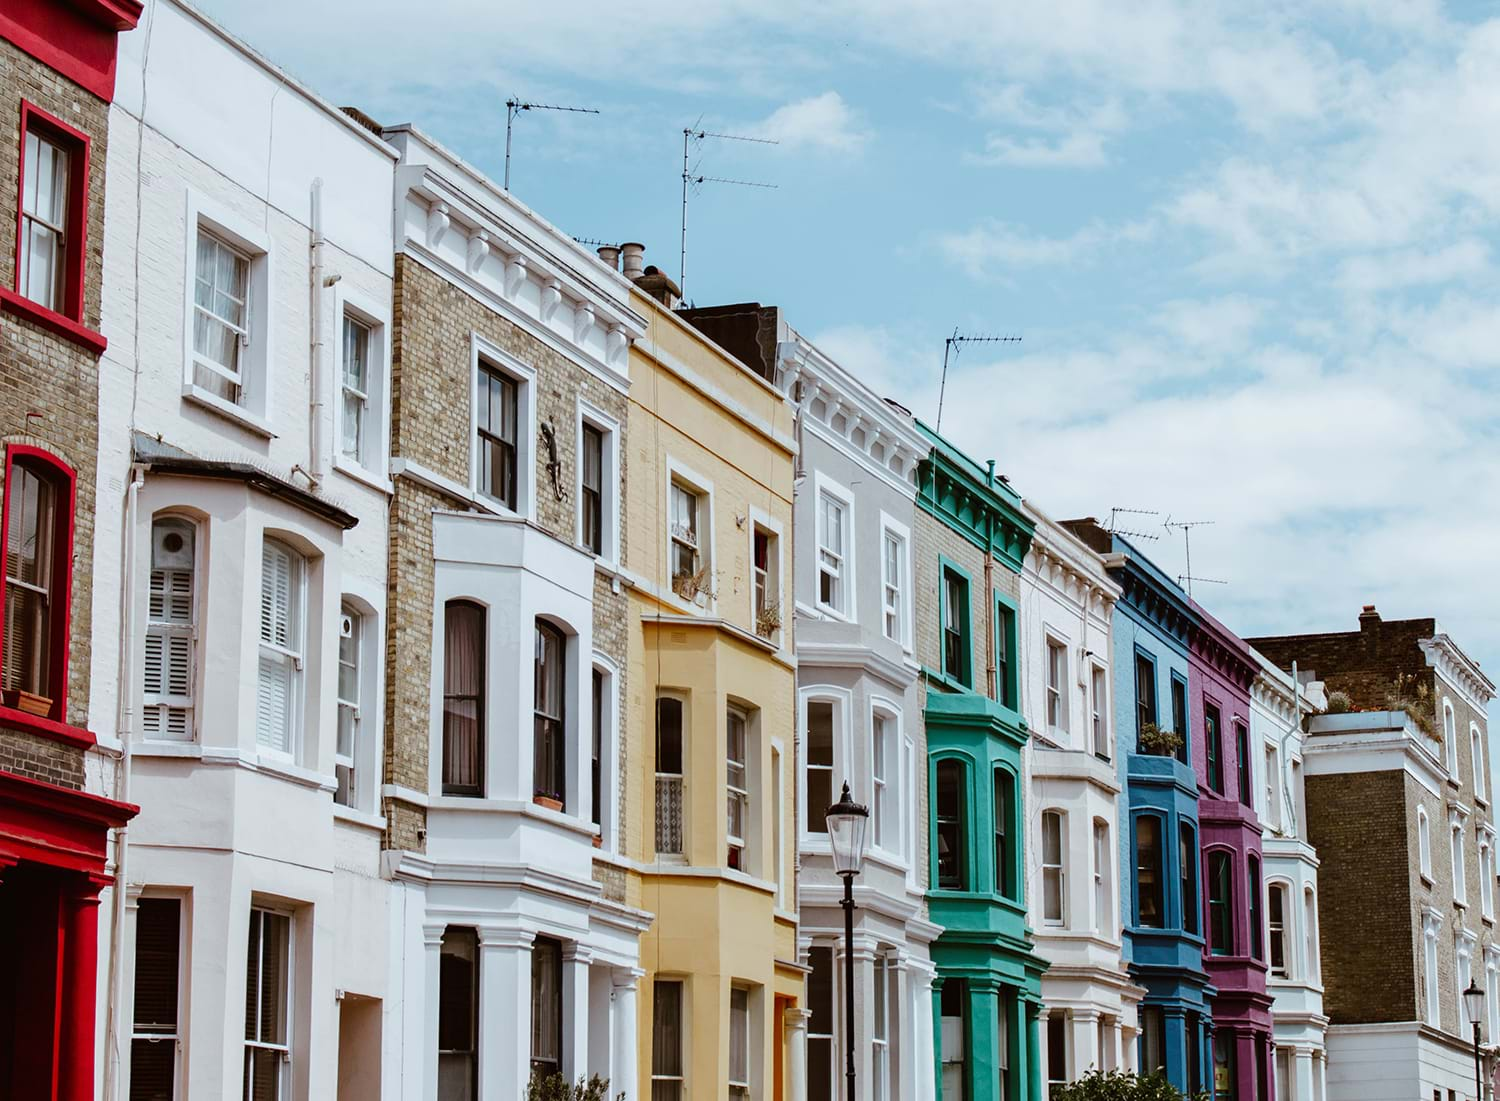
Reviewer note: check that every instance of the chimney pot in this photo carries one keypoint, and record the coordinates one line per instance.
(634, 256)
(1369, 618)
(610, 254)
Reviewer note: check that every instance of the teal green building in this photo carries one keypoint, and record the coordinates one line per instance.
(970, 541)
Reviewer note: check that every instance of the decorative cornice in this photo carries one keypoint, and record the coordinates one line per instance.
(1454, 666)
(1224, 651)
(970, 500)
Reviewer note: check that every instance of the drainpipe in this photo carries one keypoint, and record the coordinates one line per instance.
(125, 727)
(989, 594)
(314, 469)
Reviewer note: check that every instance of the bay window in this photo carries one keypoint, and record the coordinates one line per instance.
(546, 1007)
(38, 543)
(1220, 904)
(1104, 923)
(1054, 896)
(885, 827)
(1004, 813)
(550, 756)
(820, 1025)
(820, 741)
(737, 786)
(463, 698)
(154, 1034)
(951, 823)
(346, 743)
(171, 632)
(1187, 874)
(458, 1016)
(739, 1043)
(596, 739)
(1252, 887)
(282, 638)
(667, 1075)
(1150, 900)
(669, 775)
(1277, 911)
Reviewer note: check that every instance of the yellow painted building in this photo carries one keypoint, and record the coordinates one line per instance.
(711, 841)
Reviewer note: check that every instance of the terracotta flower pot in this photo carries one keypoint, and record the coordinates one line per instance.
(548, 802)
(32, 704)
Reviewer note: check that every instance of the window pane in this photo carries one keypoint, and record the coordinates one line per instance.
(29, 538)
(463, 697)
(950, 825)
(819, 763)
(546, 1006)
(157, 933)
(666, 1029)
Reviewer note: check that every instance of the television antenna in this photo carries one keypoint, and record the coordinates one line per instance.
(513, 107)
(1114, 520)
(954, 344)
(691, 177)
(1186, 578)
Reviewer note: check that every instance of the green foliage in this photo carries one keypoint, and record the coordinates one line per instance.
(1339, 703)
(554, 1087)
(1160, 741)
(1120, 1085)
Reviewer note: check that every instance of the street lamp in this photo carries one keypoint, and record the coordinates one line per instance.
(1474, 1007)
(846, 835)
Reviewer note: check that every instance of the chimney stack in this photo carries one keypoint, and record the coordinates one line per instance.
(1369, 618)
(659, 286)
(610, 254)
(634, 255)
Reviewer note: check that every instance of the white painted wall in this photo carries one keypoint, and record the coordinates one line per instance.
(201, 122)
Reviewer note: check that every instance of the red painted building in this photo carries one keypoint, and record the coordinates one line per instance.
(57, 72)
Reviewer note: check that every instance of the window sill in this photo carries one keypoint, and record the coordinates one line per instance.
(215, 404)
(830, 612)
(947, 680)
(359, 818)
(52, 321)
(46, 728)
(356, 472)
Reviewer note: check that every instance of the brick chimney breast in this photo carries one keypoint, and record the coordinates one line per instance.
(1369, 618)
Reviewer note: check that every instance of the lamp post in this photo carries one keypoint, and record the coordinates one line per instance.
(1474, 1007)
(846, 835)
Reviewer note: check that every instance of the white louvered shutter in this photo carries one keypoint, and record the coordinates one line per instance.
(167, 675)
(280, 659)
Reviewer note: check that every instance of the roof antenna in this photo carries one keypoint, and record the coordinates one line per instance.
(692, 178)
(1186, 578)
(1114, 519)
(955, 344)
(514, 107)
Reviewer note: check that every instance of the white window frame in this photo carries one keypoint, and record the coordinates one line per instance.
(1450, 740)
(891, 528)
(745, 793)
(1060, 868)
(684, 791)
(1288, 926)
(1464, 944)
(62, 234)
(880, 1028)
(1313, 964)
(371, 464)
(891, 830)
(1476, 749)
(289, 1024)
(1486, 875)
(1424, 844)
(843, 707)
(693, 483)
(827, 487)
(1099, 731)
(610, 749)
(1055, 693)
(496, 358)
(1104, 909)
(351, 626)
(740, 1089)
(1456, 854)
(1430, 965)
(296, 653)
(1492, 992)
(684, 1017)
(775, 567)
(166, 629)
(778, 818)
(255, 410)
(609, 476)
(1272, 789)
(175, 1038)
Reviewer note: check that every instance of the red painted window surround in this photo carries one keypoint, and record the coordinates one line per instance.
(55, 724)
(78, 39)
(69, 322)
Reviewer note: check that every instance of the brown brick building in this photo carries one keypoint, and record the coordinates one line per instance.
(503, 789)
(56, 81)
(1398, 806)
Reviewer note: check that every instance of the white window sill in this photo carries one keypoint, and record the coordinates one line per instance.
(240, 415)
(356, 472)
(833, 613)
(360, 818)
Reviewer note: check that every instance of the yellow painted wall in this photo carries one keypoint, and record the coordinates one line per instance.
(693, 405)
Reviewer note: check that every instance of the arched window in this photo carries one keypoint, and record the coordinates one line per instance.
(1252, 887)
(1424, 844)
(951, 815)
(1004, 810)
(1314, 967)
(168, 673)
(1456, 850)
(1187, 874)
(37, 517)
(885, 777)
(1104, 923)
(283, 603)
(670, 773)
(1278, 905)
(1150, 874)
(1220, 903)
(823, 723)
(463, 698)
(1476, 751)
(1486, 877)
(1054, 890)
(550, 755)
(1450, 738)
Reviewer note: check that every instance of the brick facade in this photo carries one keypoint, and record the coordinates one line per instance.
(49, 385)
(431, 371)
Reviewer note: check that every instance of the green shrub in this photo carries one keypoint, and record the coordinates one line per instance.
(554, 1087)
(1120, 1085)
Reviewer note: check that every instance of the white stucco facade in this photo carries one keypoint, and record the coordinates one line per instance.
(858, 686)
(241, 558)
(1072, 794)
(1278, 706)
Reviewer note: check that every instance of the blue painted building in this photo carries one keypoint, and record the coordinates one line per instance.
(1160, 911)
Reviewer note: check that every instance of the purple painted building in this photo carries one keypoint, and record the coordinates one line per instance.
(1220, 672)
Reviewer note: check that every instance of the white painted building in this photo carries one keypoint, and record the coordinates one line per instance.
(1072, 791)
(243, 492)
(513, 948)
(860, 721)
(1278, 706)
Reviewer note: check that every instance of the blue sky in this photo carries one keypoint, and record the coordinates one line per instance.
(1251, 248)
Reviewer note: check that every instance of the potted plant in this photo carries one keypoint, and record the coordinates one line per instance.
(1159, 740)
(768, 620)
(692, 586)
(1121, 1085)
(556, 1087)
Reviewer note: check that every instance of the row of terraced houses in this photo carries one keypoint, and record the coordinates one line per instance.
(429, 650)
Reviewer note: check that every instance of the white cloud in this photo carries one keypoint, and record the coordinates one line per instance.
(823, 122)
(1082, 150)
(1384, 271)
